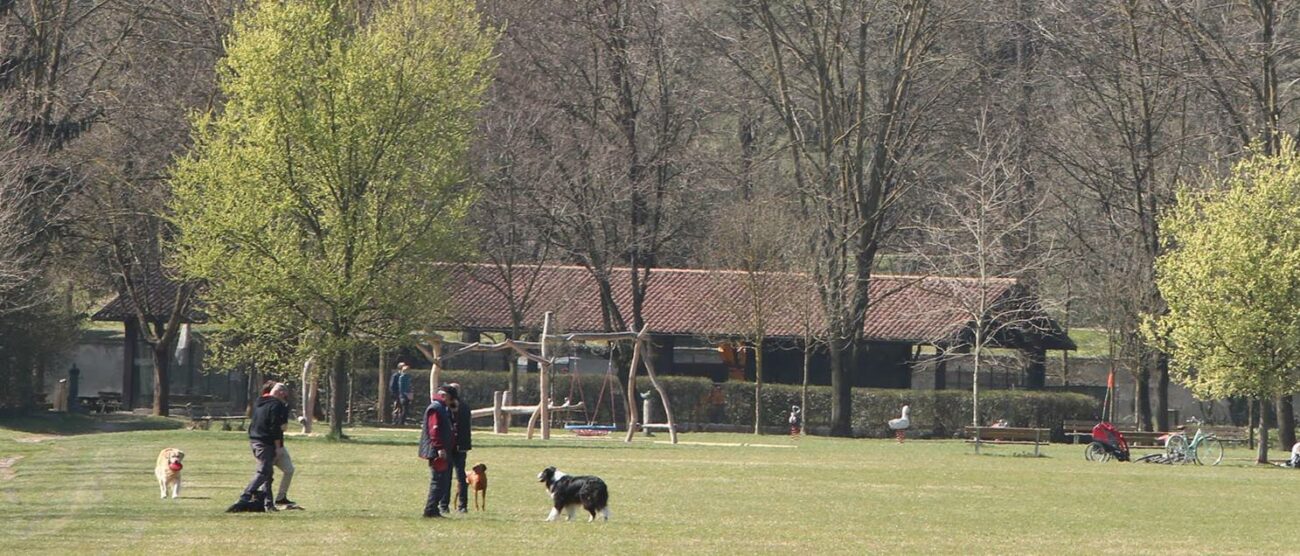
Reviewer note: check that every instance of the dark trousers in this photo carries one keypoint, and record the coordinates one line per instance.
(403, 407)
(462, 486)
(260, 487)
(439, 487)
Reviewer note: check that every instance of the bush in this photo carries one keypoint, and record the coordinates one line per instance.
(938, 413)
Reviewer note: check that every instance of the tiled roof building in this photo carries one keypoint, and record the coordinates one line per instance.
(905, 311)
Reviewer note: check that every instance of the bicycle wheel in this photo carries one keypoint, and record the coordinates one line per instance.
(1209, 451)
(1096, 452)
(1176, 448)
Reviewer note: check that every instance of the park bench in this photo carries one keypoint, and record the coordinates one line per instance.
(110, 402)
(1080, 430)
(1008, 435)
(1226, 433)
(203, 415)
(1077, 429)
(1144, 439)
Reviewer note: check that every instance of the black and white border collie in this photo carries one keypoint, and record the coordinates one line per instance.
(568, 492)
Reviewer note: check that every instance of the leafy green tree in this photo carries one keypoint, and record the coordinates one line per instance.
(1231, 277)
(313, 202)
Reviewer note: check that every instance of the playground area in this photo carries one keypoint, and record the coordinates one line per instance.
(78, 484)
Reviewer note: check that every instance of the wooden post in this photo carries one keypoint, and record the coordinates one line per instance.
(543, 388)
(499, 420)
(631, 391)
(647, 409)
(435, 372)
(542, 412)
(663, 394)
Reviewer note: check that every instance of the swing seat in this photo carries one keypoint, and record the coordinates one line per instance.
(590, 430)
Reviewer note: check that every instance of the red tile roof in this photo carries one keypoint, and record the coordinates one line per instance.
(159, 294)
(712, 303)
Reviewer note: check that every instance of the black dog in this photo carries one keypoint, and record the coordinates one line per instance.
(258, 505)
(568, 492)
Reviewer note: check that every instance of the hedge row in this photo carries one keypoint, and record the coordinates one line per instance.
(939, 413)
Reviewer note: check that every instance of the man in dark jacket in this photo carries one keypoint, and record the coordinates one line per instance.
(270, 413)
(436, 438)
(460, 417)
(399, 387)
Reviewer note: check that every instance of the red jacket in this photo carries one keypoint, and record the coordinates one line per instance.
(438, 429)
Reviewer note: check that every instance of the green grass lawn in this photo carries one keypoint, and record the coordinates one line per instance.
(715, 493)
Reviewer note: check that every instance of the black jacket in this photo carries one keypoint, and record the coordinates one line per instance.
(461, 418)
(269, 416)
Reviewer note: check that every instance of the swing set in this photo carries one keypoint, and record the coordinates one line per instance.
(608, 384)
(539, 353)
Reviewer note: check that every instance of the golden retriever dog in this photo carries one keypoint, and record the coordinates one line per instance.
(477, 479)
(168, 471)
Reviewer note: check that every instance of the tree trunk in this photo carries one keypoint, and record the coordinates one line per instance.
(1162, 393)
(338, 398)
(308, 394)
(975, 382)
(352, 389)
(1285, 422)
(1262, 455)
(803, 395)
(161, 380)
(382, 410)
(1142, 398)
(758, 388)
(1252, 421)
(512, 365)
(841, 389)
(252, 391)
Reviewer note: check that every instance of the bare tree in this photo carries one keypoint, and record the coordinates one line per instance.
(974, 232)
(22, 232)
(1248, 58)
(141, 127)
(751, 247)
(850, 84)
(512, 243)
(616, 117)
(1123, 140)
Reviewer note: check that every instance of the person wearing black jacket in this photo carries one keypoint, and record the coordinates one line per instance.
(270, 413)
(460, 417)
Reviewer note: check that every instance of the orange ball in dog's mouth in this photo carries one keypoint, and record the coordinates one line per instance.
(175, 466)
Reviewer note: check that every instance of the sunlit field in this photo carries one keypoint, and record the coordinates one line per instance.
(714, 493)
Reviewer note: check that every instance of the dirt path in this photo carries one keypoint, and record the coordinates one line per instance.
(7, 472)
(35, 438)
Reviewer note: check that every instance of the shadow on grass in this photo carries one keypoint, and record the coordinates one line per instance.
(66, 424)
(1025, 455)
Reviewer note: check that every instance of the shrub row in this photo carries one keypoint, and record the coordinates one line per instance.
(939, 413)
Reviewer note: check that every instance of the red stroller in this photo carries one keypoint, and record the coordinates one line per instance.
(1107, 442)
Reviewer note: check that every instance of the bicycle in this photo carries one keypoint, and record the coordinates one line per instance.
(1202, 449)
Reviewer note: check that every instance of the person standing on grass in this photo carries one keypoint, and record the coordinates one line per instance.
(460, 417)
(282, 459)
(399, 386)
(270, 415)
(436, 438)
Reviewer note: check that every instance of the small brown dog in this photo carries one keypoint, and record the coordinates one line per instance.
(477, 479)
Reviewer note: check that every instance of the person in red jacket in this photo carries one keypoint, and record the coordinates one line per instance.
(436, 437)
